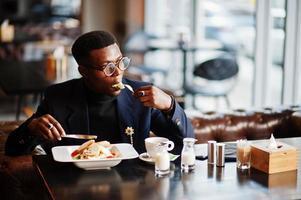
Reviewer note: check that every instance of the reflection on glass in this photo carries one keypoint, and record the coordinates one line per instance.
(220, 173)
(187, 181)
(243, 176)
(210, 171)
(162, 187)
(104, 186)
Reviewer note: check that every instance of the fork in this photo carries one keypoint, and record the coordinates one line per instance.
(129, 87)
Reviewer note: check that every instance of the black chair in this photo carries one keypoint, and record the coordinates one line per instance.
(21, 78)
(214, 78)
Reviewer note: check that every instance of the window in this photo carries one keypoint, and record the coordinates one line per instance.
(277, 37)
(259, 48)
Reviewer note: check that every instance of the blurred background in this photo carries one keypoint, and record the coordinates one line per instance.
(212, 55)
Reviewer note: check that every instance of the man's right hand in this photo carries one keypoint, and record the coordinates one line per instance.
(47, 127)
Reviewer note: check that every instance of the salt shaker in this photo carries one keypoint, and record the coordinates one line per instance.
(211, 151)
(188, 155)
(162, 160)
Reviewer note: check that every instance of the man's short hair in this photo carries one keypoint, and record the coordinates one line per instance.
(89, 41)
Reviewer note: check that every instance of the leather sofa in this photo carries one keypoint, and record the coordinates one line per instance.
(5, 128)
(252, 125)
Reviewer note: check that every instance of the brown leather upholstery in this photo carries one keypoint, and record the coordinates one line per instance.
(8, 126)
(5, 128)
(251, 125)
(18, 179)
(228, 126)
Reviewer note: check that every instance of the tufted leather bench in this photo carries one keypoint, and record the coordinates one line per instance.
(225, 126)
(251, 125)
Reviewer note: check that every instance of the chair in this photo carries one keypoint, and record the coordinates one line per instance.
(214, 78)
(21, 78)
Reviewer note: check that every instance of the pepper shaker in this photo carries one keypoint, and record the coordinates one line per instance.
(220, 154)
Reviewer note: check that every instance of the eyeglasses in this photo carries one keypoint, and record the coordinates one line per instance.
(109, 68)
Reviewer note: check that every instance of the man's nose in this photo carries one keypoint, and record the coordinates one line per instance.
(117, 71)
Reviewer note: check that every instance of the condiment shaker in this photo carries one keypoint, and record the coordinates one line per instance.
(211, 151)
(220, 154)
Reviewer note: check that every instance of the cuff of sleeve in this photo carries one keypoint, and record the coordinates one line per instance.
(171, 108)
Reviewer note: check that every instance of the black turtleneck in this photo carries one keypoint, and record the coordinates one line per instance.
(103, 116)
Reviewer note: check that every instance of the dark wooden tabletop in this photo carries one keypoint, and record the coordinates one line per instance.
(135, 179)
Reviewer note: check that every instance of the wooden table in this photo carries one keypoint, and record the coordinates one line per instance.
(135, 179)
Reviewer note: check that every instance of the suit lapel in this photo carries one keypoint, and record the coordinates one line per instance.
(126, 114)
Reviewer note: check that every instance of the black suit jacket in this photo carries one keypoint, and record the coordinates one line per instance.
(67, 103)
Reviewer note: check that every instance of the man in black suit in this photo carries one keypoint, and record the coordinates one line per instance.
(98, 104)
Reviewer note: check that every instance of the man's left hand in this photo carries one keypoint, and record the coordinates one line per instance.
(152, 96)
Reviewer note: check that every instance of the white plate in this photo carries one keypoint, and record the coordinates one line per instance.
(146, 158)
(63, 154)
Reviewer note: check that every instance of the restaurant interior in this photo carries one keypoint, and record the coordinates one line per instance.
(259, 70)
(233, 66)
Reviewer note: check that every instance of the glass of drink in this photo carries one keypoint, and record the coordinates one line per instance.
(162, 160)
(188, 155)
(243, 154)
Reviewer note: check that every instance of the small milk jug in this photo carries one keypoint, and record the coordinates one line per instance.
(188, 155)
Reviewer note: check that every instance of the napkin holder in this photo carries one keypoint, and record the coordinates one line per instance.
(282, 179)
(284, 158)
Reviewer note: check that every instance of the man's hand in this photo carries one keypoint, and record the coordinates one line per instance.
(47, 127)
(152, 96)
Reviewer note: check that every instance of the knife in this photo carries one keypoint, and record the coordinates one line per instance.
(80, 136)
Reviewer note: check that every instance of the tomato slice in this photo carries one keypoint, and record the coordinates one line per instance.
(74, 153)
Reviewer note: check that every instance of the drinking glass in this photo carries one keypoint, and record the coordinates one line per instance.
(243, 154)
(162, 160)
